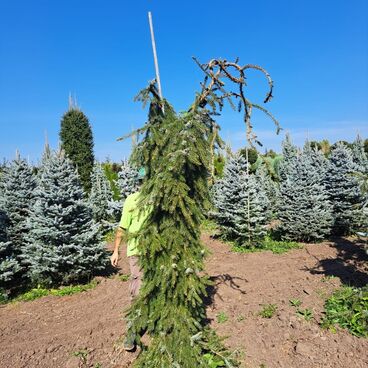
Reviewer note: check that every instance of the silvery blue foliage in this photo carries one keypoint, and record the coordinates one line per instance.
(343, 190)
(127, 184)
(17, 187)
(231, 197)
(359, 155)
(64, 243)
(304, 210)
(271, 188)
(100, 196)
(289, 154)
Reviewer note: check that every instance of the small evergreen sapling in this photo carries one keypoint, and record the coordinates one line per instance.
(64, 242)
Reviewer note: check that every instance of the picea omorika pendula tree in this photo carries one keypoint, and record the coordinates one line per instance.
(241, 203)
(304, 210)
(174, 151)
(17, 186)
(344, 190)
(64, 243)
(100, 196)
(77, 141)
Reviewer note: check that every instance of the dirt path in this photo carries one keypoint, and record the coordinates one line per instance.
(46, 332)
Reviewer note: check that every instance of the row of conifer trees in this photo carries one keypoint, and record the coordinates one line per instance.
(312, 197)
(51, 228)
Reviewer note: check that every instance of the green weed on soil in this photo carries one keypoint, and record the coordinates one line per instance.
(348, 307)
(65, 290)
(275, 246)
(268, 310)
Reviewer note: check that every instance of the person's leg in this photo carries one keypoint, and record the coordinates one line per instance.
(135, 277)
(134, 286)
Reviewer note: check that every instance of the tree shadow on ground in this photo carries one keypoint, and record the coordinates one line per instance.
(350, 265)
(216, 282)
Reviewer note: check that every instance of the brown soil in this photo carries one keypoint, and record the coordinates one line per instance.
(47, 331)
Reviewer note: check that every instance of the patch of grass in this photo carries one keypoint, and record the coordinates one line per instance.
(268, 310)
(327, 278)
(348, 307)
(222, 317)
(307, 313)
(39, 292)
(295, 302)
(124, 278)
(208, 225)
(275, 246)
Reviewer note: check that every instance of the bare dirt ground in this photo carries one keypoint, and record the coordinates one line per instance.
(47, 331)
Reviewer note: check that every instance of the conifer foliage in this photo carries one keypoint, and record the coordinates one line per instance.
(170, 304)
(241, 202)
(343, 189)
(64, 242)
(77, 141)
(127, 183)
(16, 198)
(101, 195)
(304, 209)
(175, 151)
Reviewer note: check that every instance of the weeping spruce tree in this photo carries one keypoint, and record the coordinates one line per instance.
(175, 151)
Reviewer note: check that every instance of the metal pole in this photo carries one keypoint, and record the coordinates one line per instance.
(155, 55)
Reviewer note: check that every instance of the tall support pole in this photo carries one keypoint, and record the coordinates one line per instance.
(155, 54)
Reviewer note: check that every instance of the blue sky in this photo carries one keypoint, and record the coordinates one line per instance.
(316, 52)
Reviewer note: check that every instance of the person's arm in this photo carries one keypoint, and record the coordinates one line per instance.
(123, 225)
(115, 255)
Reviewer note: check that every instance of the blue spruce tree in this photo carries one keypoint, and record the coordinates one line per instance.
(17, 187)
(344, 191)
(127, 183)
(269, 186)
(304, 211)
(64, 242)
(289, 154)
(9, 265)
(100, 196)
(242, 207)
(359, 155)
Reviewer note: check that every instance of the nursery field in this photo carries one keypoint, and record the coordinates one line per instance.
(85, 329)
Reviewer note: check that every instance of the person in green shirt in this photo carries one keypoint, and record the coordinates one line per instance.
(131, 222)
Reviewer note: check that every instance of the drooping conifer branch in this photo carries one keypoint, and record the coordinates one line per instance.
(214, 93)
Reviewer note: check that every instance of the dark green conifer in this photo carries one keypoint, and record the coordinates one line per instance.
(77, 141)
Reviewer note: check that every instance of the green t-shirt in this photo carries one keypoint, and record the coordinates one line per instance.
(132, 221)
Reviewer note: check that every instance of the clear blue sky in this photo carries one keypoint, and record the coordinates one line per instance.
(316, 51)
